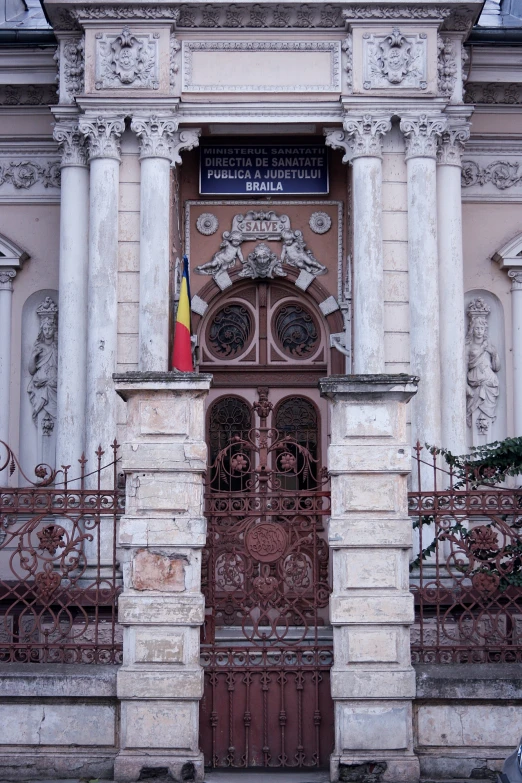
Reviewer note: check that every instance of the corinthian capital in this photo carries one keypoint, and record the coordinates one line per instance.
(421, 133)
(7, 275)
(72, 143)
(339, 140)
(104, 135)
(451, 144)
(184, 140)
(516, 279)
(155, 135)
(366, 133)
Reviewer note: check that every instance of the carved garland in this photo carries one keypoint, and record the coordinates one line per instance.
(501, 174)
(26, 173)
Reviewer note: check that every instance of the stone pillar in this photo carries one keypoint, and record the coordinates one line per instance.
(104, 153)
(421, 134)
(7, 275)
(361, 140)
(516, 319)
(371, 607)
(73, 275)
(162, 607)
(159, 144)
(451, 283)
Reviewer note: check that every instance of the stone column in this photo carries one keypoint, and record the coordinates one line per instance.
(363, 135)
(7, 275)
(421, 134)
(371, 607)
(159, 144)
(516, 320)
(162, 607)
(451, 283)
(104, 153)
(73, 275)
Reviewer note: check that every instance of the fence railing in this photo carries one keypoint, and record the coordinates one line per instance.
(59, 574)
(466, 575)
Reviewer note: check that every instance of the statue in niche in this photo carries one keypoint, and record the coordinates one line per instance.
(296, 254)
(225, 258)
(483, 364)
(43, 368)
(262, 262)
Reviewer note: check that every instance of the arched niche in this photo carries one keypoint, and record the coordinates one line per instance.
(37, 384)
(497, 429)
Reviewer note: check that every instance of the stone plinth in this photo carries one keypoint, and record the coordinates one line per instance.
(162, 533)
(371, 608)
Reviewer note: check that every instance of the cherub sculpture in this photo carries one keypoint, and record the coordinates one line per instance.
(262, 262)
(296, 253)
(225, 258)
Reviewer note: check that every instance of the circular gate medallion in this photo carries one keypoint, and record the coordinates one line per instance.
(266, 542)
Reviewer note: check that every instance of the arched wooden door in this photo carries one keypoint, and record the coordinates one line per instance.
(266, 643)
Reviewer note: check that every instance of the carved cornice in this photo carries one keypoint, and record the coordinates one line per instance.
(395, 12)
(26, 173)
(451, 144)
(502, 174)
(259, 16)
(156, 136)
(339, 140)
(184, 140)
(28, 95)
(104, 136)
(421, 134)
(366, 133)
(6, 279)
(129, 12)
(494, 93)
(516, 279)
(72, 143)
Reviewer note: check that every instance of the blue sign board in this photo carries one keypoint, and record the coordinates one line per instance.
(252, 169)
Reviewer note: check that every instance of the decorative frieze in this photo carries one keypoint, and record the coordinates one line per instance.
(494, 93)
(104, 135)
(156, 136)
(347, 48)
(366, 133)
(394, 59)
(421, 134)
(395, 12)
(72, 68)
(451, 144)
(235, 16)
(127, 12)
(502, 174)
(72, 143)
(129, 60)
(24, 174)
(28, 95)
(175, 46)
(446, 66)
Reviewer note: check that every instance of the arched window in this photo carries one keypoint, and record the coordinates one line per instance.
(229, 418)
(296, 419)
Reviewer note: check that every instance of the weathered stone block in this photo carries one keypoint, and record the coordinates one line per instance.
(157, 646)
(160, 724)
(360, 683)
(368, 568)
(387, 609)
(146, 609)
(354, 459)
(163, 531)
(469, 725)
(157, 492)
(156, 571)
(377, 727)
(366, 645)
(370, 532)
(57, 724)
(366, 492)
(365, 420)
(180, 683)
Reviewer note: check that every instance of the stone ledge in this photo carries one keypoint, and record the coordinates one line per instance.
(55, 680)
(478, 681)
(400, 386)
(130, 383)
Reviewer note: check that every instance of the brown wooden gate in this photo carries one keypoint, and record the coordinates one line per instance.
(266, 644)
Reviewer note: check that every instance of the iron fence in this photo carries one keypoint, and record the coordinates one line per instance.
(466, 576)
(59, 574)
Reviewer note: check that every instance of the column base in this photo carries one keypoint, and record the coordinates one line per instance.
(130, 767)
(395, 769)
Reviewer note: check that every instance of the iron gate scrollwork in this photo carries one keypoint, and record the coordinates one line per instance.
(266, 646)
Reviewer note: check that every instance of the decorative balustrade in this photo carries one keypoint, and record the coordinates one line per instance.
(59, 573)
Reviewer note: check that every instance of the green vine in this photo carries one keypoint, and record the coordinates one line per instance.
(486, 465)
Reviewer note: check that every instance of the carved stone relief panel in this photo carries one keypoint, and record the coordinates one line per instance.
(71, 66)
(129, 58)
(392, 58)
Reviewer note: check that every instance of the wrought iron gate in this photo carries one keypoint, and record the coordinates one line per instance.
(266, 646)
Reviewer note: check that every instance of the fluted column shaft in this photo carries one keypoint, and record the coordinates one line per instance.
(7, 276)
(516, 319)
(451, 282)
(103, 134)
(421, 134)
(73, 277)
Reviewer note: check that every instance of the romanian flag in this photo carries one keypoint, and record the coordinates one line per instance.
(182, 350)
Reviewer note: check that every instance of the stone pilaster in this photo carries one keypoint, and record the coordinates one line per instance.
(162, 607)
(371, 608)
(516, 319)
(421, 134)
(7, 275)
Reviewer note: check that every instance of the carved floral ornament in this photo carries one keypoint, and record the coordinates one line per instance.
(127, 60)
(24, 174)
(502, 174)
(394, 59)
